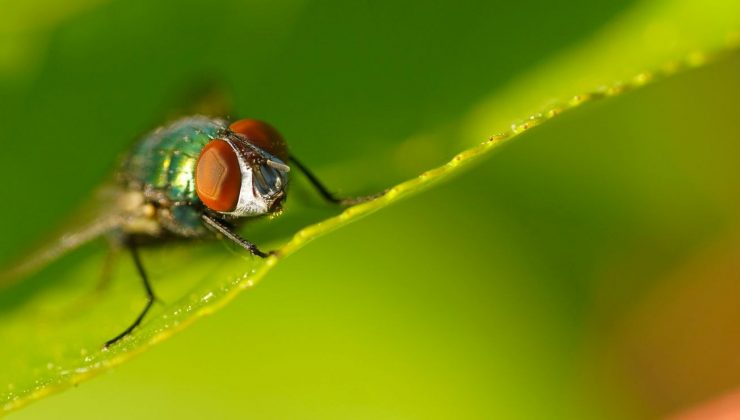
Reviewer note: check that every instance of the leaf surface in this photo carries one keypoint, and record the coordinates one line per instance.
(54, 322)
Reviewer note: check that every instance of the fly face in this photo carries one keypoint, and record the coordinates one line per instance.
(235, 176)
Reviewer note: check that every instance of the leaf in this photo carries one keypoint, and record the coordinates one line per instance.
(54, 323)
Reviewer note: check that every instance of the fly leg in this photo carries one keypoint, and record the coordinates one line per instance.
(93, 296)
(149, 294)
(328, 196)
(106, 271)
(227, 232)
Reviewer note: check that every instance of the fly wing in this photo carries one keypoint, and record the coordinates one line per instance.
(102, 216)
(107, 212)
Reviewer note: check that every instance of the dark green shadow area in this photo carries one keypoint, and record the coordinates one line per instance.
(341, 80)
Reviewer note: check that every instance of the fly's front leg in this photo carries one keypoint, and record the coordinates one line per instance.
(224, 230)
(328, 196)
(149, 294)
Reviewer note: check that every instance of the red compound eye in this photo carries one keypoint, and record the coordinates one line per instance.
(218, 178)
(262, 135)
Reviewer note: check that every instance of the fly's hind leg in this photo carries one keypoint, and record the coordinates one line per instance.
(106, 271)
(328, 195)
(93, 296)
(151, 298)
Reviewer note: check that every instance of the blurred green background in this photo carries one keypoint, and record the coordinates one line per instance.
(587, 270)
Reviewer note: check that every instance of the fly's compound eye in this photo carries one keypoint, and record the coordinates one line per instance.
(262, 135)
(218, 177)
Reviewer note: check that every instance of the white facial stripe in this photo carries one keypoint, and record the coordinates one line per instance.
(250, 202)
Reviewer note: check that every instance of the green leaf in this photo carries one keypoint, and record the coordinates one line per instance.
(54, 323)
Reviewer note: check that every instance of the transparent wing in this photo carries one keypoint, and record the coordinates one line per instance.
(107, 211)
(102, 215)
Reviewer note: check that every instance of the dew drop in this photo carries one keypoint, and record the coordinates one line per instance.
(578, 99)
(696, 59)
(642, 78)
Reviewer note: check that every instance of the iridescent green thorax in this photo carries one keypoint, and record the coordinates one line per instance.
(162, 166)
(164, 160)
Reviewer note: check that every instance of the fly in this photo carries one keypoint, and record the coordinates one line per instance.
(196, 177)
